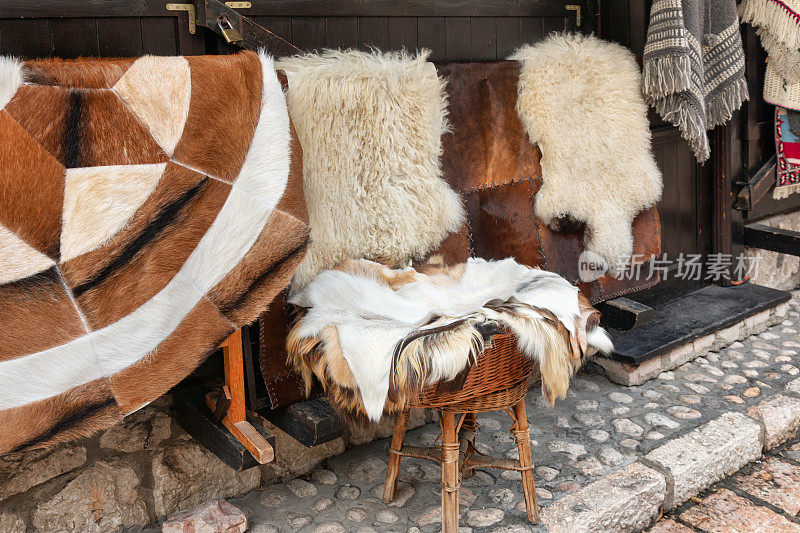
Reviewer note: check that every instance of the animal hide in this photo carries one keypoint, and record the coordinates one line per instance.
(148, 208)
(354, 320)
(370, 126)
(579, 99)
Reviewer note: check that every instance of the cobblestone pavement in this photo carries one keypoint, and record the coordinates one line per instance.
(762, 496)
(597, 429)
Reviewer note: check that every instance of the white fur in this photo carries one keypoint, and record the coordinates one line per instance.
(580, 101)
(370, 127)
(371, 318)
(10, 79)
(19, 260)
(99, 201)
(158, 90)
(123, 343)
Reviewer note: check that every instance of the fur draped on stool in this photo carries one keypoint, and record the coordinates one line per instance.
(579, 99)
(376, 336)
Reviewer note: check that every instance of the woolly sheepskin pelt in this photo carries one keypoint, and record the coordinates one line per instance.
(355, 322)
(370, 127)
(579, 99)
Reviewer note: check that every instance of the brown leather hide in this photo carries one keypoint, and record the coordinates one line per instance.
(489, 160)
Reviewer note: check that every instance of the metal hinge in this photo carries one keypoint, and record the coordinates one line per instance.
(577, 10)
(192, 14)
(239, 5)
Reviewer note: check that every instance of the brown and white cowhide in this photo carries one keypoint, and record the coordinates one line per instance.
(376, 336)
(148, 208)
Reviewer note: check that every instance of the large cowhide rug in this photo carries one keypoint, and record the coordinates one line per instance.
(148, 208)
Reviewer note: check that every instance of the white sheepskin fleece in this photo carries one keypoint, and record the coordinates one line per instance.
(579, 99)
(10, 79)
(370, 128)
(371, 317)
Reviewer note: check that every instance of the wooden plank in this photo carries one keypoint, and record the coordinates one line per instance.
(74, 38)
(403, 33)
(557, 24)
(722, 205)
(508, 38)
(159, 36)
(310, 422)
(308, 33)
(197, 420)
(27, 39)
(84, 8)
(531, 30)
(757, 187)
(457, 43)
(342, 32)
(188, 44)
(773, 239)
(430, 35)
(483, 38)
(280, 26)
(119, 37)
(624, 314)
(373, 32)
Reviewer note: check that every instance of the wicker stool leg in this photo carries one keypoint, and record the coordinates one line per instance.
(466, 437)
(450, 485)
(390, 485)
(523, 438)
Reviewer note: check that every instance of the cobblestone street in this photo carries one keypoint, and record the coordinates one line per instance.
(763, 496)
(599, 428)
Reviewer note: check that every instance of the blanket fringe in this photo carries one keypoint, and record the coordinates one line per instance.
(675, 109)
(777, 17)
(779, 193)
(663, 76)
(783, 57)
(721, 108)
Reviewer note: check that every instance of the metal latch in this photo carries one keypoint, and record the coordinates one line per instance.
(229, 33)
(192, 13)
(577, 10)
(239, 5)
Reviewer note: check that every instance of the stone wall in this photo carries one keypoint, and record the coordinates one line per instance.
(779, 271)
(140, 472)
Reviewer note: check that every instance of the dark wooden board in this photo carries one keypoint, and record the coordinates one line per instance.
(684, 319)
(624, 314)
(197, 420)
(770, 238)
(310, 422)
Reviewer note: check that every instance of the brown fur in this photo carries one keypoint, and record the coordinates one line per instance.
(140, 278)
(264, 271)
(216, 137)
(91, 73)
(31, 182)
(79, 412)
(203, 329)
(42, 111)
(36, 314)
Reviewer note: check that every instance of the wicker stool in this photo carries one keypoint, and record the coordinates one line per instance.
(497, 382)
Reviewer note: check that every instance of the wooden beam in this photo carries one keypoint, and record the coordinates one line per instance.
(624, 314)
(311, 422)
(773, 239)
(722, 199)
(757, 187)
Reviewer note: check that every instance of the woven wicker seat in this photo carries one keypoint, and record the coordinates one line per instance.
(497, 382)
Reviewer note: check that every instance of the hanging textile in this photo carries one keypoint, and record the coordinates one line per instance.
(694, 66)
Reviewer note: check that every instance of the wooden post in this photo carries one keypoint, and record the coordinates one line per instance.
(722, 225)
(450, 449)
(235, 418)
(390, 485)
(523, 438)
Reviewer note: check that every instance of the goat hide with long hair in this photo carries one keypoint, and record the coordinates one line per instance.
(148, 208)
(374, 336)
(579, 99)
(370, 126)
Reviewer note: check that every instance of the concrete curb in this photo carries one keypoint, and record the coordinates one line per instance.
(630, 498)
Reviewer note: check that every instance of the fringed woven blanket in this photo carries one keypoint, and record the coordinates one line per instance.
(694, 66)
(579, 99)
(777, 24)
(148, 208)
(353, 322)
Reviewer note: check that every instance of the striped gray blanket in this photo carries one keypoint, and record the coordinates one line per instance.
(694, 66)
